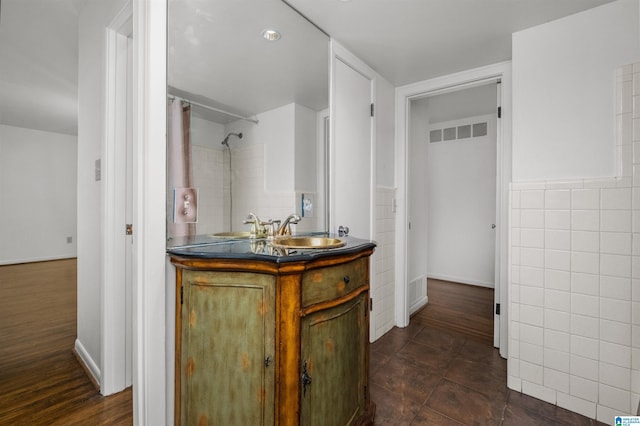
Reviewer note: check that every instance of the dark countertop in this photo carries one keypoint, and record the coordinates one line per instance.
(208, 247)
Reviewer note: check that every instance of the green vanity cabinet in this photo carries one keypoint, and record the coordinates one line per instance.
(228, 347)
(334, 345)
(279, 341)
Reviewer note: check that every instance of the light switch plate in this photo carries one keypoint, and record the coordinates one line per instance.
(185, 205)
(307, 206)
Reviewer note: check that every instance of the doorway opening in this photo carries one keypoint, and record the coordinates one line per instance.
(446, 147)
(452, 198)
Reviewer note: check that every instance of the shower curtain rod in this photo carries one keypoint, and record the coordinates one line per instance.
(253, 120)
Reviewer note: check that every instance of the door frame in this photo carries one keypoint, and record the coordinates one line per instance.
(152, 342)
(116, 350)
(404, 94)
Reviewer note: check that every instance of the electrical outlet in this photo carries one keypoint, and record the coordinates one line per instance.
(98, 169)
(185, 205)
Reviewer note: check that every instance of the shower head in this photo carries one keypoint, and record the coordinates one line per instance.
(225, 141)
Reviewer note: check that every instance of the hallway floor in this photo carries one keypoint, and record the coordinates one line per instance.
(438, 370)
(41, 381)
(441, 373)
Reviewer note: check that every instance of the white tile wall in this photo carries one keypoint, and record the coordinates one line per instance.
(574, 329)
(384, 263)
(208, 178)
(249, 191)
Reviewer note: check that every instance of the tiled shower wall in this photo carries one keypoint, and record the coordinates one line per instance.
(208, 174)
(574, 327)
(211, 166)
(250, 194)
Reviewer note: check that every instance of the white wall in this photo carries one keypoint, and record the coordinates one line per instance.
(449, 106)
(418, 200)
(276, 131)
(206, 133)
(563, 97)
(448, 239)
(383, 264)
(574, 334)
(385, 132)
(275, 158)
(305, 147)
(38, 191)
(93, 20)
(461, 187)
(208, 174)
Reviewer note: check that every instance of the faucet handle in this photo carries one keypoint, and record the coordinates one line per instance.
(257, 228)
(252, 218)
(294, 218)
(272, 228)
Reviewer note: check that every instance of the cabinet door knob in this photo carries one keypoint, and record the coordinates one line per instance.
(267, 361)
(306, 379)
(346, 279)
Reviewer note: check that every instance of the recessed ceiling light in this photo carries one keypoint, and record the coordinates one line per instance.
(271, 35)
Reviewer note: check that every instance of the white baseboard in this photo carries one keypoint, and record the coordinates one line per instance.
(418, 304)
(381, 331)
(89, 364)
(461, 280)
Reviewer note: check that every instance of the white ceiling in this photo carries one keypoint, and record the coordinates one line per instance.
(39, 64)
(412, 40)
(217, 56)
(404, 40)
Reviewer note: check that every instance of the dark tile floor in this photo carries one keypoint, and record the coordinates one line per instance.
(424, 375)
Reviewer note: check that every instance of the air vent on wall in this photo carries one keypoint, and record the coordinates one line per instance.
(449, 134)
(466, 131)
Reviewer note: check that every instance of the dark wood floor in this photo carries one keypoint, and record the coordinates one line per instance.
(41, 381)
(443, 370)
(466, 309)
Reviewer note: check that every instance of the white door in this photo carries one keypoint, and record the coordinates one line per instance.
(350, 179)
(351, 154)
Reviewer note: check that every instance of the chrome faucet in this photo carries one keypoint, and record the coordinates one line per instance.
(284, 228)
(257, 226)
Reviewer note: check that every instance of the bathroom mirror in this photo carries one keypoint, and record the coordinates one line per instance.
(257, 119)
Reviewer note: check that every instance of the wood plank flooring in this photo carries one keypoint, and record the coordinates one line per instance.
(41, 381)
(462, 308)
(441, 369)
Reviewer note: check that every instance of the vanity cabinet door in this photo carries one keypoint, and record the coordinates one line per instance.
(228, 349)
(334, 364)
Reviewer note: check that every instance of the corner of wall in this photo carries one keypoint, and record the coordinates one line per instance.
(87, 363)
(383, 261)
(574, 280)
